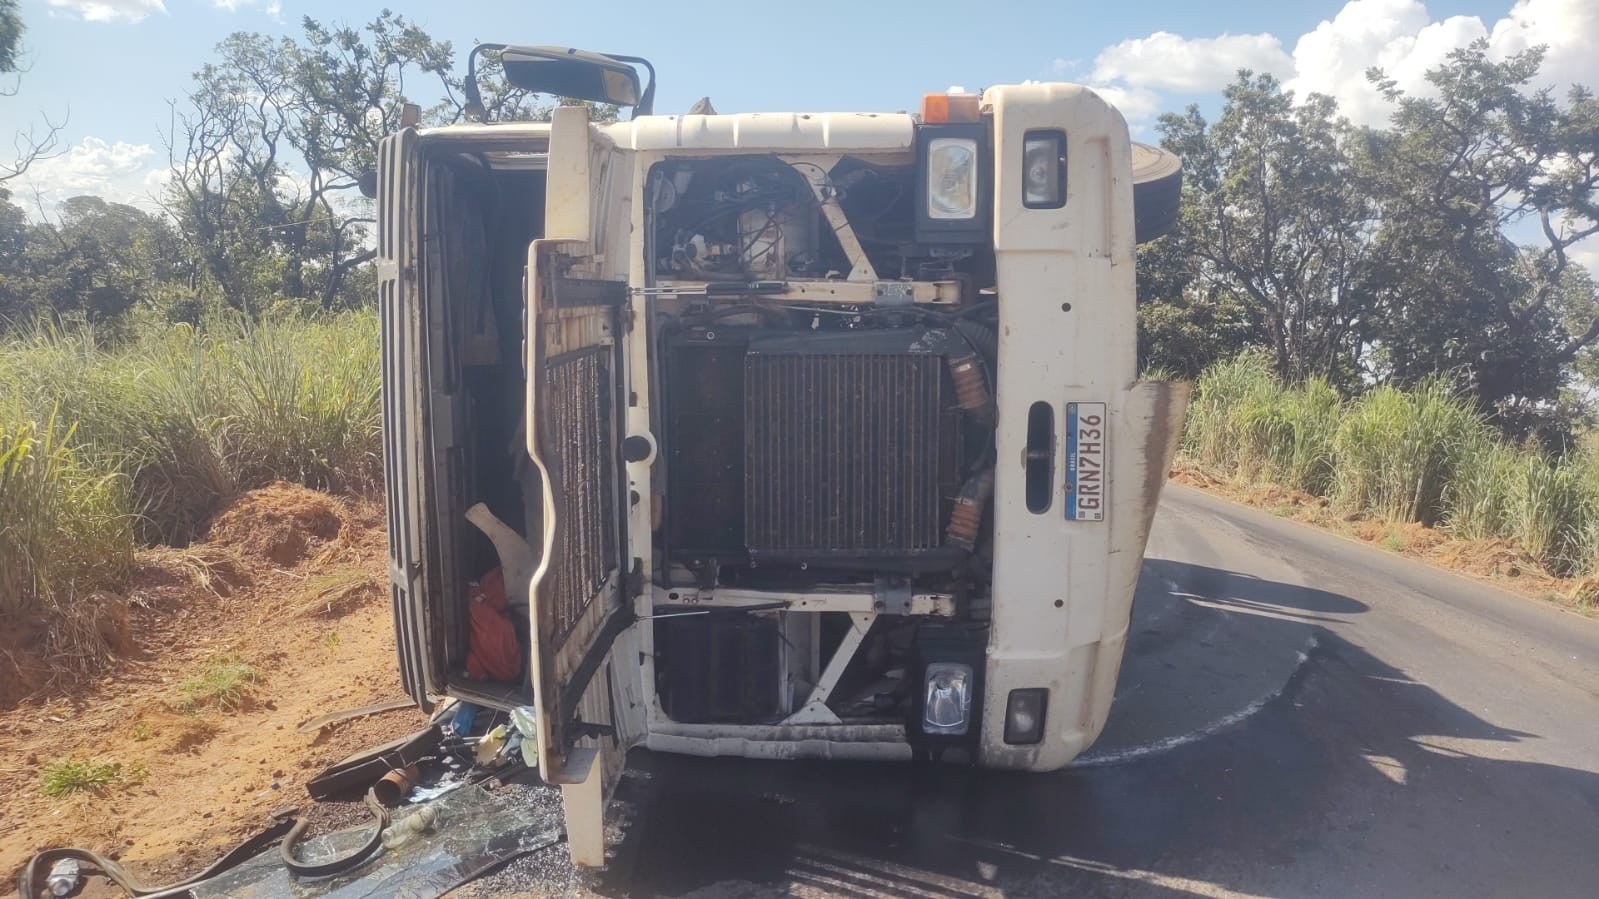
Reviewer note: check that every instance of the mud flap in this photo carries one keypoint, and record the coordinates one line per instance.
(583, 804)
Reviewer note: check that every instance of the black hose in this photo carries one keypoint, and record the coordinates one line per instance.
(28, 878)
(348, 862)
(982, 338)
(497, 864)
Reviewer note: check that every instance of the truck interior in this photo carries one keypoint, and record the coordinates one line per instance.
(480, 210)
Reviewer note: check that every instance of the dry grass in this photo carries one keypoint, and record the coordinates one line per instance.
(336, 591)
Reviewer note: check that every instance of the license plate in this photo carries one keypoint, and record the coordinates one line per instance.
(1085, 461)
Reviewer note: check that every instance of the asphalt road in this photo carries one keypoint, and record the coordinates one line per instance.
(1298, 715)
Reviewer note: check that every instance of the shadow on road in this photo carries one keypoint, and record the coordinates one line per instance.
(1350, 779)
(1242, 590)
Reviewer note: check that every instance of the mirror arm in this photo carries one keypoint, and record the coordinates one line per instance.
(473, 109)
(646, 102)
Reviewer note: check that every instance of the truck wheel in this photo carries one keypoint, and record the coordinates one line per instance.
(1157, 191)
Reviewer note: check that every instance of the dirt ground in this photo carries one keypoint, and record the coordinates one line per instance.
(291, 583)
(1499, 562)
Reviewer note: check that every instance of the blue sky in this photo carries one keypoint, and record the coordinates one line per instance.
(116, 64)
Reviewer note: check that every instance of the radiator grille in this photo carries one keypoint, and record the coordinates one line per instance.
(577, 429)
(843, 454)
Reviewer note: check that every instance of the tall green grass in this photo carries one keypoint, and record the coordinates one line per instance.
(66, 529)
(1397, 450)
(1421, 455)
(1244, 422)
(304, 403)
(146, 439)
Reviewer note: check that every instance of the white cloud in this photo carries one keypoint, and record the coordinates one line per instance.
(119, 171)
(1166, 61)
(111, 10)
(1399, 36)
(1136, 104)
(1570, 28)
(156, 181)
(1586, 254)
(272, 8)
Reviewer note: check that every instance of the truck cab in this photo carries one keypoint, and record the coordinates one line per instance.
(792, 435)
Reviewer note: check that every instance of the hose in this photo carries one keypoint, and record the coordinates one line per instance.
(349, 862)
(497, 864)
(28, 877)
(982, 338)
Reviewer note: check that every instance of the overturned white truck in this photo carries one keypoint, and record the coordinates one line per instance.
(824, 429)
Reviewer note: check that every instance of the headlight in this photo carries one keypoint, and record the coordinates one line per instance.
(1044, 170)
(1024, 716)
(947, 704)
(951, 178)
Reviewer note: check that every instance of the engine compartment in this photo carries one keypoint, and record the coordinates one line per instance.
(813, 447)
(743, 219)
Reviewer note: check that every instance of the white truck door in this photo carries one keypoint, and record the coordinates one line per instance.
(408, 476)
(582, 591)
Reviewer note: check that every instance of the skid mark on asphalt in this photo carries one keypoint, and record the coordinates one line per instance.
(1166, 744)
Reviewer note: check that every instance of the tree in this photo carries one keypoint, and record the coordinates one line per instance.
(97, 261)
(1455, 176)
(277, 133)
(1273, 218)
(1185, 322)
(10, 37)
(39, 140)
(13, 244)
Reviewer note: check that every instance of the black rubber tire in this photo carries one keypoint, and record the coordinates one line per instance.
(1157, 191)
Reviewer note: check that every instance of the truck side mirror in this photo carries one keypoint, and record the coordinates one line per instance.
(564, 72)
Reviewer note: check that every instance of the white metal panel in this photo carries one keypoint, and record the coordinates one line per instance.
(568, 203)
(768, 131)
(494, 132)
(1068, 333)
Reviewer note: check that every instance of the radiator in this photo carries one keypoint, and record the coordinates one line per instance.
(577, 422)
(847, 455)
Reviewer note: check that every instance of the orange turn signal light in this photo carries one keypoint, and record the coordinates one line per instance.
(940, 109)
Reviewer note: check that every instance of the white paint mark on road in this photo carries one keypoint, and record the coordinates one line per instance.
(1166, 744)
(859, 875)
(1188, 885)
(1153, 878)
(1389, 767)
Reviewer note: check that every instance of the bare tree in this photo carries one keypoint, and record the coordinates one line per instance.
(40, 141)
